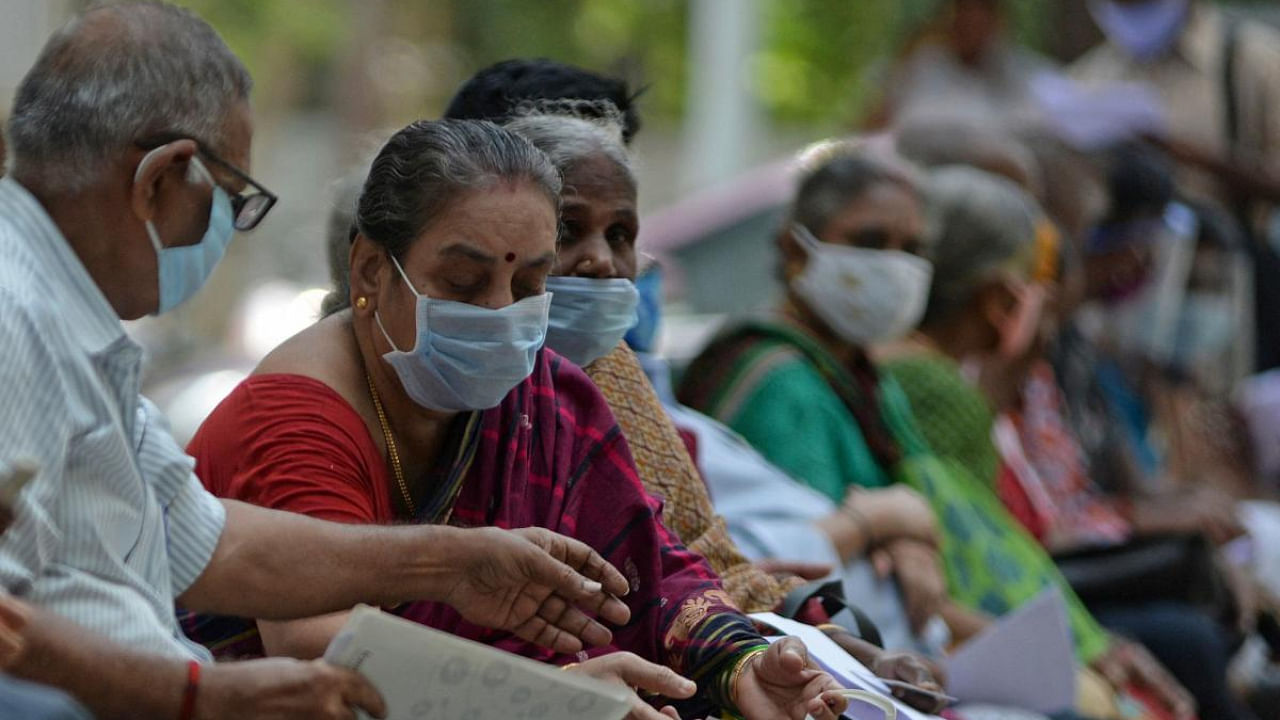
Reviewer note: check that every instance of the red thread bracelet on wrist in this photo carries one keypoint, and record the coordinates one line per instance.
(188, 710)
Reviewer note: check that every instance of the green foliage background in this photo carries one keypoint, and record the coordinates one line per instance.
(816, 63)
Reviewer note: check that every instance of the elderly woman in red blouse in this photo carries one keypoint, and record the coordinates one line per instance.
(431, 401)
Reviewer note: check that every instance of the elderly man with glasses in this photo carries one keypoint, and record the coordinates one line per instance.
(129, 149)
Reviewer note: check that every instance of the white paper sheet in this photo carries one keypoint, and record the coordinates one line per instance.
(425, 673)
(843, 667)
(1025, 660)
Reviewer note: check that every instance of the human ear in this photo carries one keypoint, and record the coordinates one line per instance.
(793, 258)
(997, 305)
(156, 172)
(368, 274)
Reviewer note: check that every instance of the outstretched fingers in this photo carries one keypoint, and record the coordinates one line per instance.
(540, 632)
(579, 589)
(644, 675)
(567, 618)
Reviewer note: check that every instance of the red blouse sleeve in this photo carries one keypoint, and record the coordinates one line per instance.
(290, 442)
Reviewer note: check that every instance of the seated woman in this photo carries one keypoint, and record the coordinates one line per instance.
(594, 303)
(595, 300)
(996, 266)
(508, 89)
(430, 401)
(801, 388)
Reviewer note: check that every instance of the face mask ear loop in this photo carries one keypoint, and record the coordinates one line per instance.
(403, 276)
(197, 172)
(378, 319)
(152, 234)
(146, 159)
(805, 238)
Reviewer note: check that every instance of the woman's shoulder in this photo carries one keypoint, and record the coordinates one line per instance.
(323, 352)
(622, 381)
(298, 383)
(265, 404)
(918, 370)
(741, 361)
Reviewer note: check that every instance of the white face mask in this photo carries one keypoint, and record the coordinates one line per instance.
(467, 357)
(864, 296)
(1143, 29)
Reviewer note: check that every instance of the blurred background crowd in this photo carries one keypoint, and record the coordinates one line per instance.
(730, 91)
(1116, 384)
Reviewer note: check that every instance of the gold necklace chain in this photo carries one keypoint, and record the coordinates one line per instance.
(391, 447)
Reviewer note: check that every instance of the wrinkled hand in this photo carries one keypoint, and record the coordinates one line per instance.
(803, 570)
(1128, 662)
(13, 618)
(636, 673)
(782, 682)
(283, 689)
(914, 669)
(537, 584)
(895, 512)
(919, 572)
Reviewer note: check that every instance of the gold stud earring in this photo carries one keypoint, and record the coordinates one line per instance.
(362, 302)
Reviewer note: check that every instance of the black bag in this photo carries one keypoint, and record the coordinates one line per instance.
(831, 594)
(1180, 568)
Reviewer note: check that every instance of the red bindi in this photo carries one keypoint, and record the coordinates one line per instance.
(511, 257)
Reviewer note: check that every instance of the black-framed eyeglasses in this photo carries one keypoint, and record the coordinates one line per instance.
(248, 206)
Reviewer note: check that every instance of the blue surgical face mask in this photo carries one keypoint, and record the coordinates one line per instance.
(643, 336)
(589, 316)
(466, 357)
(183, 269)
(1144, 29)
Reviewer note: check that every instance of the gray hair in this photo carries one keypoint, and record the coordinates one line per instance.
(979, 224)
(114, 76)
(419, 172)
(339, 234)
(568, 132)
(834, 174)
(932, 142)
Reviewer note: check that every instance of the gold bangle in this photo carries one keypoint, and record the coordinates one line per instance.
(830, 628)
(569, 666)
(740, 668)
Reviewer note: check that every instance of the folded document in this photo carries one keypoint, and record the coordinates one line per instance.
(424, 673)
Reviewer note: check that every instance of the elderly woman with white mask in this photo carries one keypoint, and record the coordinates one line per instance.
(595, 302)
(801, 387)
(429, 401)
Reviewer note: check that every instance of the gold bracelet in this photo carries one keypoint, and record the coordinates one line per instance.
(569, 666)
(738, 669)
(830, 628)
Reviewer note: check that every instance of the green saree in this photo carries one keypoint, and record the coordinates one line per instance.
(791, 399)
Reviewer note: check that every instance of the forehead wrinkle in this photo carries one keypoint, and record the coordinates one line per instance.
(599, 172)
(468, 251)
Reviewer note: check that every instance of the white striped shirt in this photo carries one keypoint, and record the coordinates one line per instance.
(115, 525)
